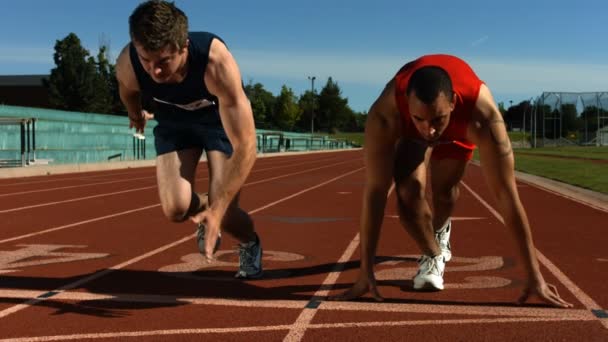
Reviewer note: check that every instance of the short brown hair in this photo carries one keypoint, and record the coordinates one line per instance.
(156, 24)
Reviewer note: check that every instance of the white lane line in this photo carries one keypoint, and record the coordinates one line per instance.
(77, 296)
(149, 207)
(71, 187)
(298, 329)
(472, 310)
(572, 198)
(303, 191)
(580, 295)
(79, 223)
(232, 330)
(72, 178)
(150, 187)
(452, 218)
(74, 199)
(528, 179)
(110, 173)
(139, 178)
(19, 307)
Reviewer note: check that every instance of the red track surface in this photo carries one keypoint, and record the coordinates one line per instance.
(90, 256)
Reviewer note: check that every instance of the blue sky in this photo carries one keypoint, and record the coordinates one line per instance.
(519, 48)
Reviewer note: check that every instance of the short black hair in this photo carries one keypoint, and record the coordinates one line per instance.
(428, 82)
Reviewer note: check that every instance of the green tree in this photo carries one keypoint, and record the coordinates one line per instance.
(588, 121)
(72, 82)
(305, 102)
(361, 120)
(79, 82)
(103, 99)
(287, 112)
(333, 110)
(355, 122)
(262, 104)
(570, 123)
(117, 105)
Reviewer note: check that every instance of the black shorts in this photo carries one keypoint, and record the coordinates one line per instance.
(175, 136)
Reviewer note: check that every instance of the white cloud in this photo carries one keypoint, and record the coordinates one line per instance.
(480, 41)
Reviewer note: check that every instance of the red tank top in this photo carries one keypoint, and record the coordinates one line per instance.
(465, 83)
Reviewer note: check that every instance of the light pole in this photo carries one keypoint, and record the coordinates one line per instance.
(312, 105)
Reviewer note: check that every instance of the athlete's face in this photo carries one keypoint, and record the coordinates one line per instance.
(431, 119)
(165, 65)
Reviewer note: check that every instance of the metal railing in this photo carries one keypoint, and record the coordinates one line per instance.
(27, 136)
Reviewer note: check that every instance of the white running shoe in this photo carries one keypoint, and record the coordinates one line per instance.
(443, 239)
(430, 273)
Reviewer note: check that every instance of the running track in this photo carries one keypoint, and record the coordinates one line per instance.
(89, 256)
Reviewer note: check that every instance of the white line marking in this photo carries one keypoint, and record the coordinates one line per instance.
(133, 172)
(97, 275)
(148, 207)
(303, 191)
(232, 330)
(78, 223)
(71, 187)
(155, 186)
(133, 179)
(582, 297)
(56, 178)
(590, 205)
(75, 199)
(453, 218)
(298, 329)
(473, 310)
(547, 188)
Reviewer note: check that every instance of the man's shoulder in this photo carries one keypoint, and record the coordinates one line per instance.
(202, 36)
(386, 103)
(124, 68)
(123, 60)
(203, 43)
(485, 109)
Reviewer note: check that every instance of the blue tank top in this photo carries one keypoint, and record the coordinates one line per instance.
(189, 100)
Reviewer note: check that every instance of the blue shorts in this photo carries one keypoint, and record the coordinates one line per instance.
(175, 136)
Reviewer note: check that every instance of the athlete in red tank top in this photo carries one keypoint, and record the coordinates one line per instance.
(436, 107)
(453, 143)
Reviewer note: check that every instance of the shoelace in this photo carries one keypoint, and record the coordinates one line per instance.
(439, 237)
(433, 268)
(247, 254)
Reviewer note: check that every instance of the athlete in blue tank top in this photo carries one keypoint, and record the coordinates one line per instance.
(191, 84)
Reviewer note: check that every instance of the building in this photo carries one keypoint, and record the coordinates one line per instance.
(24, 90)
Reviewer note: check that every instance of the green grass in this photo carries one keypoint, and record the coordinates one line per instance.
(587, 174)
(591, 152)
(517, 136)
(581, 173)
(538, 161)
(357, 138)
